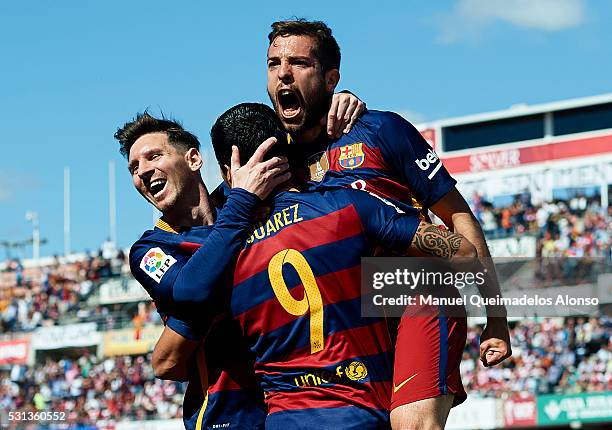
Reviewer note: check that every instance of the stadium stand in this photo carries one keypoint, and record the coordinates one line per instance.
(572, 355)
(577, 228)
(89, 390)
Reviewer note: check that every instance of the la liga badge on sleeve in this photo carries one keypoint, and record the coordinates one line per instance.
(156, 263)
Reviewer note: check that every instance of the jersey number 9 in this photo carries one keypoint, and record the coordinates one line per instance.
(311, 301)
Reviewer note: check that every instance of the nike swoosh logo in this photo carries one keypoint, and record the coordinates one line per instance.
(396, 388)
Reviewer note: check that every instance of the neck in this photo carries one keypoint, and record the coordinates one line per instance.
(299, 177)
(196, 210)
(286, 186)
(309, 135)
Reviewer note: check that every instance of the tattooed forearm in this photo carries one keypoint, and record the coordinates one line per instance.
(432, 240)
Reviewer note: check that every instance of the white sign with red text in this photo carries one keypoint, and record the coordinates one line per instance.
(14, 351)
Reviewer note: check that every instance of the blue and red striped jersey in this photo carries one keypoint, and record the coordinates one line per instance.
(319, 362)
(297, 297)
(234, 399)
(384, 154)
(184, 272)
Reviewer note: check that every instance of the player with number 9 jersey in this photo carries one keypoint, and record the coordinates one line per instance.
(297, 297)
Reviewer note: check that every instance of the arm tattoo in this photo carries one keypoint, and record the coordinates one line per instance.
(433, 240)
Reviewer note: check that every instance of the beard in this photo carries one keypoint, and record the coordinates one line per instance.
(314, 108)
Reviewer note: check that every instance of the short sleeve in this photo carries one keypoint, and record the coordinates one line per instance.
(418, 166)
(385, 224)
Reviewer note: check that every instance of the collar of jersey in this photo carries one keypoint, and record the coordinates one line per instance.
(289, 191)
(163, 225)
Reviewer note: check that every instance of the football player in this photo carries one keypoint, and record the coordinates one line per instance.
(383, 154)
(297, 294)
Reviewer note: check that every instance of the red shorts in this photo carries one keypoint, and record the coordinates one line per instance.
(428, 353)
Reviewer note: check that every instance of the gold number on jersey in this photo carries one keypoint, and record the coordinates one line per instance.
(312, 299)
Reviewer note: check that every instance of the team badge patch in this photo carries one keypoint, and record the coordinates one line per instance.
(318, 164)
(155, 263)
(351, 156)
(356, 371)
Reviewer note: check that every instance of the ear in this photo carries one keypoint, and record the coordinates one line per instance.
(226, 173)
(194, 159)
(332, 77)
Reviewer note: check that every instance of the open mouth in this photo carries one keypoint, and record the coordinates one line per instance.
(289, 103)
(157, 186)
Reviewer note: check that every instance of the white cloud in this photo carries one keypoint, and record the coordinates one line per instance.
(7, 189)
(413, 116)
(12, 183)
(469, 17)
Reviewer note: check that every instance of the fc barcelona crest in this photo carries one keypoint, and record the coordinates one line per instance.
(351, 156)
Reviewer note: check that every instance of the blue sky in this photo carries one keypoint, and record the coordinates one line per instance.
(73, 71)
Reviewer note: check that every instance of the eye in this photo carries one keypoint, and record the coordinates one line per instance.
(133, 169)
(273, 63)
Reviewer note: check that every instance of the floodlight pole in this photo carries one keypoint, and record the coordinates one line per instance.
(66, 211)
(112, 203)
(33, 218)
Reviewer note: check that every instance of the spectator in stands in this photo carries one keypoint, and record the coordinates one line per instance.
(488, 220)
(550, 356)
(89, 391)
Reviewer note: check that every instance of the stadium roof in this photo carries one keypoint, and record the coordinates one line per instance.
(520, 109)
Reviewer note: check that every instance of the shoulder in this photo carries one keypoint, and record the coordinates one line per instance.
(387, 129)
(381, 119)
(152, 258)
(328, 198)
(139, 246)
(148, 239)
(153, 244)
(350, 201)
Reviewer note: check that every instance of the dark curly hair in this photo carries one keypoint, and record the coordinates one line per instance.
(246, 126)
(327, 50)
(145, 123)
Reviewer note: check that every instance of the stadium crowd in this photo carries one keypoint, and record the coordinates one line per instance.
(552, 356)
(91, 390)
(578, 227)
(35, 296)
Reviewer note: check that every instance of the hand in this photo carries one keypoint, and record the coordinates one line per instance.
(257, 176)
(344, 111)
(495, 342)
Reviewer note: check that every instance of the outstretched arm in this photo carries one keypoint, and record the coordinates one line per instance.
(436, 241)
(400, 231)
(457, 215)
